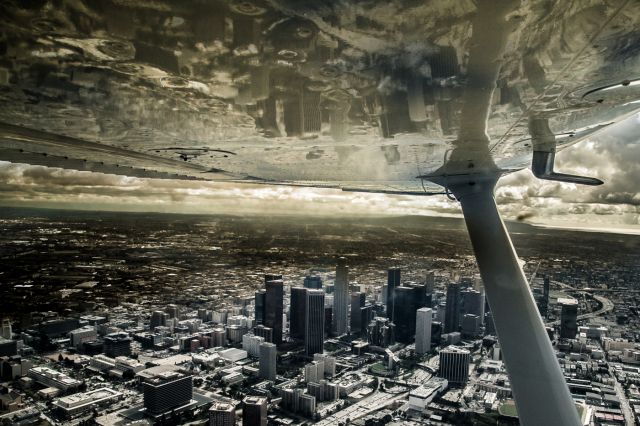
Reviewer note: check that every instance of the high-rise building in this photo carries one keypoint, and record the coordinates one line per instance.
(568, 318)
(436, 332)
(254, 411)
(268, 356)
(357, 302)
(489, 326)
(265, 332)
(329, 363)
(297, 312)
(366, 315)
(117, 344)
(430, 282)
(222, 414)
(158, 319)
(341, 297)
(314, 371)
(272, 277)
(172, 310)
(405, 314)
(313, 282)
(218, 337)
(470, 326)
(274, 308)
(251, 343)
(328, 318)
(6, 329)
(314, 322)
(452, 312)
(454, 365)
(166, 391)
(423, 330)
(260, 302)
(393, 281)
(544, 305)
(472, 303)
(381, 332)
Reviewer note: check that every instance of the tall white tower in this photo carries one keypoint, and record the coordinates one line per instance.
(423, 330)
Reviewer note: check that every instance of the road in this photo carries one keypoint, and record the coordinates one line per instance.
(607, 305)
(361, 408)
(624, 403)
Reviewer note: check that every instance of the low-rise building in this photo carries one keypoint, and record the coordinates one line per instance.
(52, 378)
(79, 403)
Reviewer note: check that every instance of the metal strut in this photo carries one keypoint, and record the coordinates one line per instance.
(544, 155)
(541, 394)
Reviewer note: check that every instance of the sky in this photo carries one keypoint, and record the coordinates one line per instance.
(613, 157)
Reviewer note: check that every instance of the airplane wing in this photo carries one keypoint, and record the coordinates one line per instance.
(297, 93)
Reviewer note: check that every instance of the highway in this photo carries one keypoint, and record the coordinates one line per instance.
(607, 306)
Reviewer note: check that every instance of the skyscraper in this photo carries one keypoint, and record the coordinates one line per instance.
(313, 282)
(452, 312)
(393, 281)
(314, 322)
(546, 287)
(568, 318)
(470, 326)
(6, 328)
(254, 411)
(423, 330)
(260, 298)
(341, 297)
(473, 303)
(357, 302)
(454, 365)
(328, 319)
(405, 315)
(366, 316)
(268, 356)
(297, 312)
(274, 308)
(158, 319)
(430, 282)
(172, 310)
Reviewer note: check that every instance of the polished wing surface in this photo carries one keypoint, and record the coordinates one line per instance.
(358, 95)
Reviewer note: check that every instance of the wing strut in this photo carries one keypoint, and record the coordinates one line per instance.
(539, 388)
